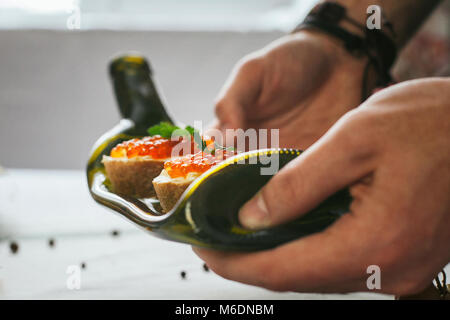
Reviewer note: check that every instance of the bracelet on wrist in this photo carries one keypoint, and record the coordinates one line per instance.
(375, 44)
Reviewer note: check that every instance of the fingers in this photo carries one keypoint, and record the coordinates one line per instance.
(325, 262)
(341, 157)
(239, 94)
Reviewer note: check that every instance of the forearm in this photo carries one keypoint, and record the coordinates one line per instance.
(405, 15)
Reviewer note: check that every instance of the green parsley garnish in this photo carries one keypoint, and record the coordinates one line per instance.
(166, 130)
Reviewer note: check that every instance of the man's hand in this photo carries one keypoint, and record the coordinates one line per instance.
(394, 153)
(301, 84)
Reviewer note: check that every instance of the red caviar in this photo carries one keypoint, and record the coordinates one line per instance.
(198, 163)
(156, 147)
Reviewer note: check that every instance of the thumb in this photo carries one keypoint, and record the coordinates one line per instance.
(338, 159)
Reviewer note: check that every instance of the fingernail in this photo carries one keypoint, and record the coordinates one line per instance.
(254, 214)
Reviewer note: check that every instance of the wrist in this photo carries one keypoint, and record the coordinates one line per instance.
(340, 59)
(333, 19)
(335, 50)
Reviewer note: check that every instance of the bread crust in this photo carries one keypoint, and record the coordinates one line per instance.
(133, 177)
(169, 190)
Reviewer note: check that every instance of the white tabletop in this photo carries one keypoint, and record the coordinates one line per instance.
(37, 205)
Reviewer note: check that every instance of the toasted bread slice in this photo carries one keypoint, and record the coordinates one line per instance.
(169, 190)
(133, 177)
